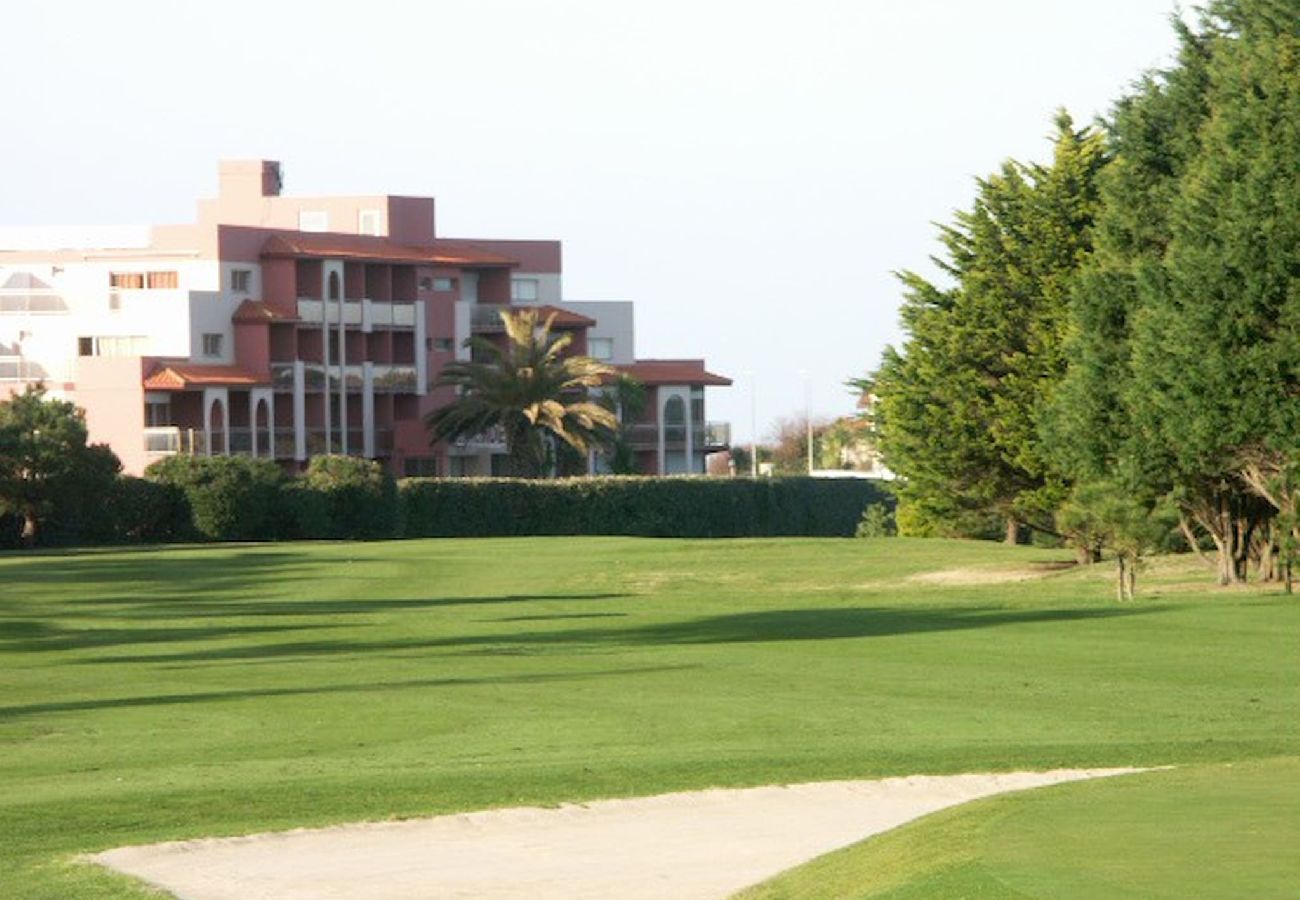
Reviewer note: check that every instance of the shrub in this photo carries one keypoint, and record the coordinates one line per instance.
(359, 497)
(144, 511)
(231, 498)
(877, 521)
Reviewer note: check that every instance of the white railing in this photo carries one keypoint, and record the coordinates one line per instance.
(717, 434)
(400, 315)
(167, 439)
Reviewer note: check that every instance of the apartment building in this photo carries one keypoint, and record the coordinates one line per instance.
(283, 327)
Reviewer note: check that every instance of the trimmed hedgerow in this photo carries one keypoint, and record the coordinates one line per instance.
(650, 507)
(231, 498)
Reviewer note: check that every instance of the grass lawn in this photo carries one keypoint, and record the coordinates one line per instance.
(1226, 830)
(162, 694)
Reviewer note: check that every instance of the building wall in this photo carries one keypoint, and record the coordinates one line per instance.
(112, 394)
(614, 321)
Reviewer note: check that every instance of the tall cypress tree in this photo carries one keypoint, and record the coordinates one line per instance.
(960, 400)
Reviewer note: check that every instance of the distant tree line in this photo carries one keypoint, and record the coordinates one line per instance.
(1113, 353)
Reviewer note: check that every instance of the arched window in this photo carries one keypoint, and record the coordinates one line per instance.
(334, 286)
(674, 411)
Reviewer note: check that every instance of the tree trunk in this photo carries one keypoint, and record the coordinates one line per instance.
(30, 528)
(1131, 579)
(1013, 533)
(1121, 577)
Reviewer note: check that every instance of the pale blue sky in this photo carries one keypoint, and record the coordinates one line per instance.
(749, 173)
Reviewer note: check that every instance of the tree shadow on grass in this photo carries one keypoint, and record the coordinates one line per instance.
(25, 636)
(834, 623)
(200, 606)
(32, 709)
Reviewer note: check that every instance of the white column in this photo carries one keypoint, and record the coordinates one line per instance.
(421, 351)
(663, 455)
(343, 379)
(368, 409)
(299, 411)
(690, 435)
(255, 397)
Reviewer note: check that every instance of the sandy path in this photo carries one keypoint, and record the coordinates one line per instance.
(702, 844)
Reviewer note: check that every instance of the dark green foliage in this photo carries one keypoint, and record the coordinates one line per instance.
(960, 400)
(147, 512)
(231, 498)
(877, 521)
(649, 507)
(302, 513)
(50, 479)
(359, 498)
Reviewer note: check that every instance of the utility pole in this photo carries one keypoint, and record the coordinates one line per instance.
(807, 417)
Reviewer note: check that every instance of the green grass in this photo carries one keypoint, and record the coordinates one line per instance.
(1227, 830)
(165, 694)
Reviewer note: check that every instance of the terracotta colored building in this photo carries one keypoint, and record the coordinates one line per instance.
(282, 327)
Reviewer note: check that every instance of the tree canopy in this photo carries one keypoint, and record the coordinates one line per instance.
(530, 389)
(1125, 320)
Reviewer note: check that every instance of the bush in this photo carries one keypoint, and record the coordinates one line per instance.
(649, 507)
(231, 498)
(359, 497)
(144, 511)
(877, 521)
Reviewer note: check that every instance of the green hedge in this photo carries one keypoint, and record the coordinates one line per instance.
(234, 498)
(649, 507)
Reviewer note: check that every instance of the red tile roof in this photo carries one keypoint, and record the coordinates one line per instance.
(259, 311)
(564, 318)
(181, 376)
(380, 249)
(673, 371)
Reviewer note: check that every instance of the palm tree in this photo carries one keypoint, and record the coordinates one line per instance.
(529, 390)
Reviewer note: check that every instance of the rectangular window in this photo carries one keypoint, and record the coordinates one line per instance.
(157, 413)
(127, 281)
(113, 345)
(114, 301)
(138, 281)
(444, 284)
(313, 220)
(600, 348)
(211, 345)
(370, 221)
(444, 345)
(241, 280)
(426, 284)
(420, 467)
(523, 290)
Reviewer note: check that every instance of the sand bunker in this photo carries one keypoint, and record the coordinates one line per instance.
(701, 844)
(971, 577)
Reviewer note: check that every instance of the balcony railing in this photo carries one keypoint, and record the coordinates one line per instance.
(384, 315)
(703, 435)
(487, 318)
(20, 368)
(492, 439)
(717, 434)
(387, 378)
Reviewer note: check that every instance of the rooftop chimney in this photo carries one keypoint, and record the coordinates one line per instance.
(249, 178)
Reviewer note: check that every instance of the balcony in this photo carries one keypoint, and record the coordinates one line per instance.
(486, 319)
(717, 434)
(169, 439)
(494, 439)
(19, 368)
(710, 435)
(382, 315)
(386, 378)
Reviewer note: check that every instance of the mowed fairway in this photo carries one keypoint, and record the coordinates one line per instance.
(163, 694)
